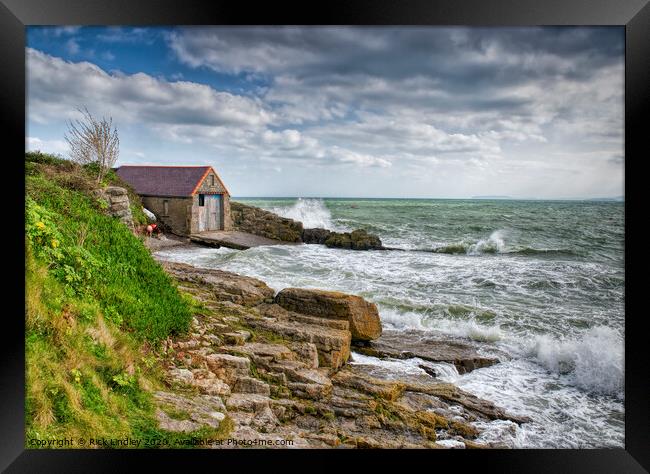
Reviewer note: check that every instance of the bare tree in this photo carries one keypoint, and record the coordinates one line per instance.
(93, 141)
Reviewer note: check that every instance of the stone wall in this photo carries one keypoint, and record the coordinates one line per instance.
(179, 213)
(227, 218)
(118, 202)
(260, 222)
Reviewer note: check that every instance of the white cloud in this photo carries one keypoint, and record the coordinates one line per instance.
(118, 34)
(347, 156)
(286, 139)
(56, 147)
(72, 46)
(64, 30)
(460, 111)
(58, 87)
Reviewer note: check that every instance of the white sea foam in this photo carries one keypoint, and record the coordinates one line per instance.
(397, 320)
(470, 329)
(444, 371)
(411, 366)
(483, 333)
(594, 362)
(313, 213)
(451, 443)
(562, 414)
(501, 432)
(396, 366)
(495, 243)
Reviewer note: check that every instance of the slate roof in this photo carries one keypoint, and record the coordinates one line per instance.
(180, 181)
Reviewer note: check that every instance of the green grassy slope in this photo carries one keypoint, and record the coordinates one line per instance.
(97, 305)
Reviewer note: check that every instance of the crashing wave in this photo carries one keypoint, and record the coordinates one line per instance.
(472, 330)
(495, 244)
(594, 362)
(313, 213)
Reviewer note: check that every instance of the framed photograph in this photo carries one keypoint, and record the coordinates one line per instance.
(365, 232)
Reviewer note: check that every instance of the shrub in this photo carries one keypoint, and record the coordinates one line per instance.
(44, 158)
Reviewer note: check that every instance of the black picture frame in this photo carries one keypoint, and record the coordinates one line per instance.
(633, 15)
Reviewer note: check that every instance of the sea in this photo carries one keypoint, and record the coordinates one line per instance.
(539, 283)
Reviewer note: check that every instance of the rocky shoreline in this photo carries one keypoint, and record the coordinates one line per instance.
(277, 367)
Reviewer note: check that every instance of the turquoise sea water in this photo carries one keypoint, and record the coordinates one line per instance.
(539, 281)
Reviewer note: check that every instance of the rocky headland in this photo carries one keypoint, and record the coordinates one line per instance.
(277, 367)
(257, 221)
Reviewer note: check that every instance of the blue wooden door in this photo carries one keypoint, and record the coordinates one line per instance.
(214, 204)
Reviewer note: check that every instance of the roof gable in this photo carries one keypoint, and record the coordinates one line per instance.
(200, 184)
(180, 181)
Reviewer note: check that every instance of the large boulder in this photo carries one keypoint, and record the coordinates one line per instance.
(315, 236)
(330, 337)
(362, 315)
(356, 240)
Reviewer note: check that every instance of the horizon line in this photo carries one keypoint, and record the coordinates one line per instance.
(605, 198)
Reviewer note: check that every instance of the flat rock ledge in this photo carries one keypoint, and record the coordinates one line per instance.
(428, 347)
(226, 286)
(269, 368)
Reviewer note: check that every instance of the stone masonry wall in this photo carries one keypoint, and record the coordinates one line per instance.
(179, 214)
(207, 187)
(227, 219)
(118, 202)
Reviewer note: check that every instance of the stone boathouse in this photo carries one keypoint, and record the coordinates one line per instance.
(188, 199)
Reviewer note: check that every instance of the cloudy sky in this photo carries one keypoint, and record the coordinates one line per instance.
(347, 111)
